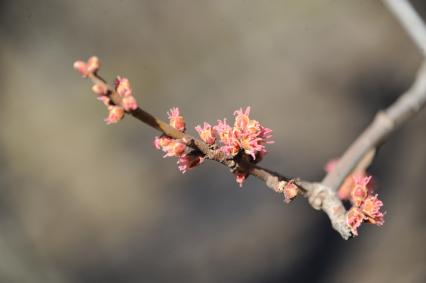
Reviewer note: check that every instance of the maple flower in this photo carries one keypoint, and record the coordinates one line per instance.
(93, 64)
(124, 90)
(247, 135)
(87, 68)
(175, 119)
(99, 89)
(116, 113)
(226, 135)
(360, 191)
(251, 135)
(188, 161)
(207, 133)
(162, 142)
(344, 192)
(371, 209)
(354, 219)
(81, 67)
(290, 191)
(129, 103)
(175, 148)
(242, 118)
(122, 86)
(170, 146)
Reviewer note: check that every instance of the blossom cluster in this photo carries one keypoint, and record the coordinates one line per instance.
(121, 87)
(175, 147)
(358, 189)
(247, 136)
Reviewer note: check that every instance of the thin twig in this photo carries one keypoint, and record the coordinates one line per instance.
(410, 20)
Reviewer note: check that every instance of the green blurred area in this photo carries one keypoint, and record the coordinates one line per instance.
(84, 202)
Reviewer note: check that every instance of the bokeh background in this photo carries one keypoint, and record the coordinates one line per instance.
(84, 202)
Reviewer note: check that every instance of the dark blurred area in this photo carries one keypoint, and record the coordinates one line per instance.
(84, 202)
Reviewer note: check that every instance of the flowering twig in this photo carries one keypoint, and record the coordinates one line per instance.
(239, 164)
(241, 147)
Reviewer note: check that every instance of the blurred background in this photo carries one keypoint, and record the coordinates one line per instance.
(84, 202)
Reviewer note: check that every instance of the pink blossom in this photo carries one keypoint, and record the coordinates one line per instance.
(99, 89)
(93, 64)
(81, 67)
(116, 113)
(354, 219)
(360, 190)
(242, 118)
(371, 208)
(124, 90)
(247, 135)
(223, 130)
(162, 142)
(346, 189)
(188, 161)
(251, 135)
(176, 120)
(87, 68)
(129, 103)
(290, 191)
(174, 148)
(122, 86)
(207, 133)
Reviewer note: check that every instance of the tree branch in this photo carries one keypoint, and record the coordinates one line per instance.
(410, 20)
(321, 196)
(386, 122)
(329, 203)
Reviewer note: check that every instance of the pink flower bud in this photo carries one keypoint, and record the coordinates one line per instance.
(100, 89)
(207, 133)
(360, 190)
(122, 86)
(81, 67)
(176, 121)
(175, 148)
(93, 64)
(189, 161)
(354, 219)
(290, 191)
(116, 113)
(371, 208)
(162, 142)
(129, 103)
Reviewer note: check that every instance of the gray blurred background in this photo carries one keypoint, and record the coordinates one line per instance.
(84, 202)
